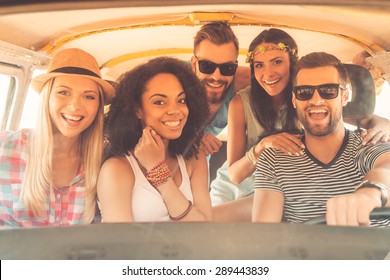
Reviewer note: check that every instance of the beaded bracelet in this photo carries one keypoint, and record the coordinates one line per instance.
(182, 215)
(159, 174)
(251, 156)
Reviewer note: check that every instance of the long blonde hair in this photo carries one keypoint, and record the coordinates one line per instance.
(37, 180)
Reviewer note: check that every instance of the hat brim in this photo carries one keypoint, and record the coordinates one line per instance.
(108, 90)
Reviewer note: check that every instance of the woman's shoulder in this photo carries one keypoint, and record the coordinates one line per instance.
(116, 169)
(242, 96)
(13, 136)
(13, 143)
(238, 104)
(194, 161)
(245, 91)
(116, 163)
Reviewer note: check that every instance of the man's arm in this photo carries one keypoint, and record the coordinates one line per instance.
(376, 122)
(267, 206)
(239, 210)
(268, 200)
(354, 209)
(378, 129)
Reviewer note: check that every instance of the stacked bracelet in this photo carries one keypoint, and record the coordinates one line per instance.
(382, 188)
(251, 156)
(159, 174)
(182, 215)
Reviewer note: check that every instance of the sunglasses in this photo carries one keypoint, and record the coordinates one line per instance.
(326, 91)
(208, 67)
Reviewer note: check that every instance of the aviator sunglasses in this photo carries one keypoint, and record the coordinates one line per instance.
(326, 91)
(208, 67)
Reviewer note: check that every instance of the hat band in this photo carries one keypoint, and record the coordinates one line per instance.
(75, 70)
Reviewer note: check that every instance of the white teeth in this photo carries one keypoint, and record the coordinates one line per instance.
(271, 82)
(214, 85)
(72, 118)
(318, 111)
(172, 123)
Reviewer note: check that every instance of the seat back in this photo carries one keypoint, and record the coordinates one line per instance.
(362, 103)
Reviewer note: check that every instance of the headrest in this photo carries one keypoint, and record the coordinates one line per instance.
(362, 103)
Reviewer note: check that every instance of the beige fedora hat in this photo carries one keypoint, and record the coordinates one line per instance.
(74, 62)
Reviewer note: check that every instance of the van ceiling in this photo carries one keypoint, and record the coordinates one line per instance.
(121, 33)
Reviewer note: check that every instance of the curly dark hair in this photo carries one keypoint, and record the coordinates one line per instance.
(260, 99)
(122, 128)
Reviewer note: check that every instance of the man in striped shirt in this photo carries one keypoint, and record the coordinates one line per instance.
(337, 176)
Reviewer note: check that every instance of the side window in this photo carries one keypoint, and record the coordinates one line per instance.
(5, 85)
(18, 102)
(31, 107)
(8, 89)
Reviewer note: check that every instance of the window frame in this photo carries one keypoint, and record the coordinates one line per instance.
(19, 63)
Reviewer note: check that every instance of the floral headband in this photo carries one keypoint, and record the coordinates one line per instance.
(261, 49)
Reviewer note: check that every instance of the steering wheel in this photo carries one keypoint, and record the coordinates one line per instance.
(383, 212)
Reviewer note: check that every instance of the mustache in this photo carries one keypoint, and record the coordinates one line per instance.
(208, 80)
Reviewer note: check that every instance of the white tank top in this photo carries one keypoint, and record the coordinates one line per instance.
(147, 203)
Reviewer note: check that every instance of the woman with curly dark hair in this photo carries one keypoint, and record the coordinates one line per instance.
(153, 171)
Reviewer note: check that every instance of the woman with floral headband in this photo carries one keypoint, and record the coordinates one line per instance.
(155, 124)
(259, 117)
(48, 175)
(262, 116)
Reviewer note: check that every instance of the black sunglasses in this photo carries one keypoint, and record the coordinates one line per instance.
(326, 91)
(208, 67)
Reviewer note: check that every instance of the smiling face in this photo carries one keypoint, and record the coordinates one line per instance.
(163, 106)
(272, 69)
(73, 104)
(216, 84)
(320, 116)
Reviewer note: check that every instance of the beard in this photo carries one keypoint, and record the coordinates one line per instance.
(216, 96)
(317, 130)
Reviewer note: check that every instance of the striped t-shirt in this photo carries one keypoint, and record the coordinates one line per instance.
(307, 183)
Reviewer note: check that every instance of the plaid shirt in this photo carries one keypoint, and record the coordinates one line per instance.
(64, 206)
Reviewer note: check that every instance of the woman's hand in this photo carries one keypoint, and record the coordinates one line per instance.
(372, 136)
(150, 149)
(290, 144)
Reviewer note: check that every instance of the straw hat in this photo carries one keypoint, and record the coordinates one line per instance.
(74, 62)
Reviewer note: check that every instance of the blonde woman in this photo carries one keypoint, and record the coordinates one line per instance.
(48, 175)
